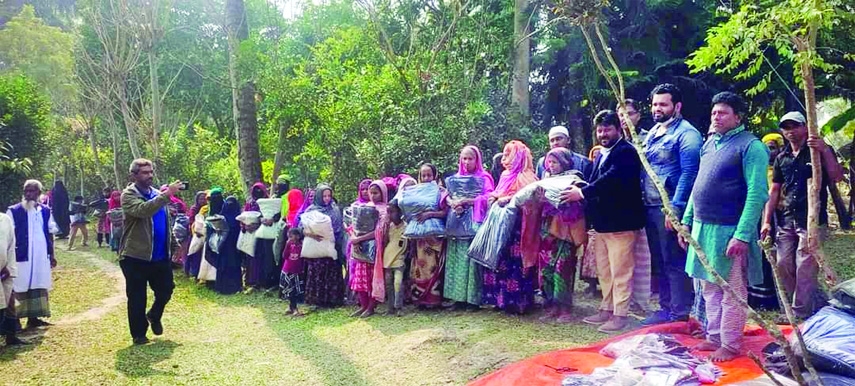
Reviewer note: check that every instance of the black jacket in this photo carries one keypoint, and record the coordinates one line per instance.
(614, 194)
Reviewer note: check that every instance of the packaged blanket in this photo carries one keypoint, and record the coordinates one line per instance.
(494, 235)
(181, 228)
(365, 251)
(364, 218)
(552, 188)
(417, 199)
(460, 225)
(317, 223)
(199, 231)
(830, 339)
(270, 207)
(221, 228)
(249, 217)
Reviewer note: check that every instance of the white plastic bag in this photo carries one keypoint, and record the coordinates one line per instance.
(317, 223)
(246, 243)
(270, 207)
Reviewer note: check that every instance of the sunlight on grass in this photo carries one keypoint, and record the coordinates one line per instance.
(247, 339)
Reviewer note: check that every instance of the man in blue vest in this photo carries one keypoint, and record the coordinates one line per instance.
(34, 256)
(722, 215)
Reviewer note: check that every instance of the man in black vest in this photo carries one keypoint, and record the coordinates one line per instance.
(617, 214)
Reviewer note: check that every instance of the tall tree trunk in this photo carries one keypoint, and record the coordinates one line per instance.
(522, 59)
(93, 143)
(279, 158)
(155, 103)
(130, 122)
(114, 137)
(815, 157)
(243, 98)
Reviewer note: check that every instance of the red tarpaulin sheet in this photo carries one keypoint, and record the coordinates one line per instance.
(549, 369)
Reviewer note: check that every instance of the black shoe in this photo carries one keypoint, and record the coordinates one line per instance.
(141, 341)
(12, 340)
(156, 325)
(36, 322)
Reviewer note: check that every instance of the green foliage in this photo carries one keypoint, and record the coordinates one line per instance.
(42, 52)
(739, 46)
(24, 119)
(839, 122)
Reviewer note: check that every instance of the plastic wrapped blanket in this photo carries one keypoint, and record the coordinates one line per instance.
(249, 217)
(493, 235)
(218, 223)
(552, 188)
(270, 207)
(364, 218)
(181, 228)
(460, 225)
(830, 339)
(843, 296)
(199, 231)
(317, 223)
(367, 251)
(648, 360)
(417, 199)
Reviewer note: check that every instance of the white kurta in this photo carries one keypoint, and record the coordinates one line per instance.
(7, 258)
(35, 273)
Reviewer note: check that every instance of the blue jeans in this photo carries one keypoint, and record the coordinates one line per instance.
(676, 292)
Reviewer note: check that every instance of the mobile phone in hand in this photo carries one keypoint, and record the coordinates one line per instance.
(184, 186)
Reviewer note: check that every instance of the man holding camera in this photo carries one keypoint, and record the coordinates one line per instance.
(144, 250)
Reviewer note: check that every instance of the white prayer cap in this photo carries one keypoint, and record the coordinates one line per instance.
(558, 131)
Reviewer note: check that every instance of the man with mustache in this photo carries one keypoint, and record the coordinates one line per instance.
(617, 213)
(34, 256)
(673, 148)
(722, 215)
(144, 252)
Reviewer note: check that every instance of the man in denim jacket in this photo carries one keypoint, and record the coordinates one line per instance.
(673, 148)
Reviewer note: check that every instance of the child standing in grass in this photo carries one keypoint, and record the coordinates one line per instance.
(394, 256)
(290, 283)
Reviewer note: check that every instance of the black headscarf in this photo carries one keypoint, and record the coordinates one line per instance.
(215, 202)
(330, 209)
(60, 203)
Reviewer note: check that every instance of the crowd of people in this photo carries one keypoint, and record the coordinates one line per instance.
(608, 224)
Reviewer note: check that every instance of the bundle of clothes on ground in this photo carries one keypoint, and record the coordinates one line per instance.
(830, 340)
(648, 360)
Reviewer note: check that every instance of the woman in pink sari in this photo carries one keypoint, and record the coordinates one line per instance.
(511, 286)
(362, 275)
(463, 277)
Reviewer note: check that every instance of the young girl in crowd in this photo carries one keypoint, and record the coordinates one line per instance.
(362, 275)
(362, 198)
(290, 283)
(78, 221)
(511, 286)
(426, 271)
(394, 259)
(463, 277)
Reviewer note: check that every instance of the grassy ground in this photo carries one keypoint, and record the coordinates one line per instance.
(247, 339)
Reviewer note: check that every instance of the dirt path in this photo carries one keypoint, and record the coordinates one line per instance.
(107, 304)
